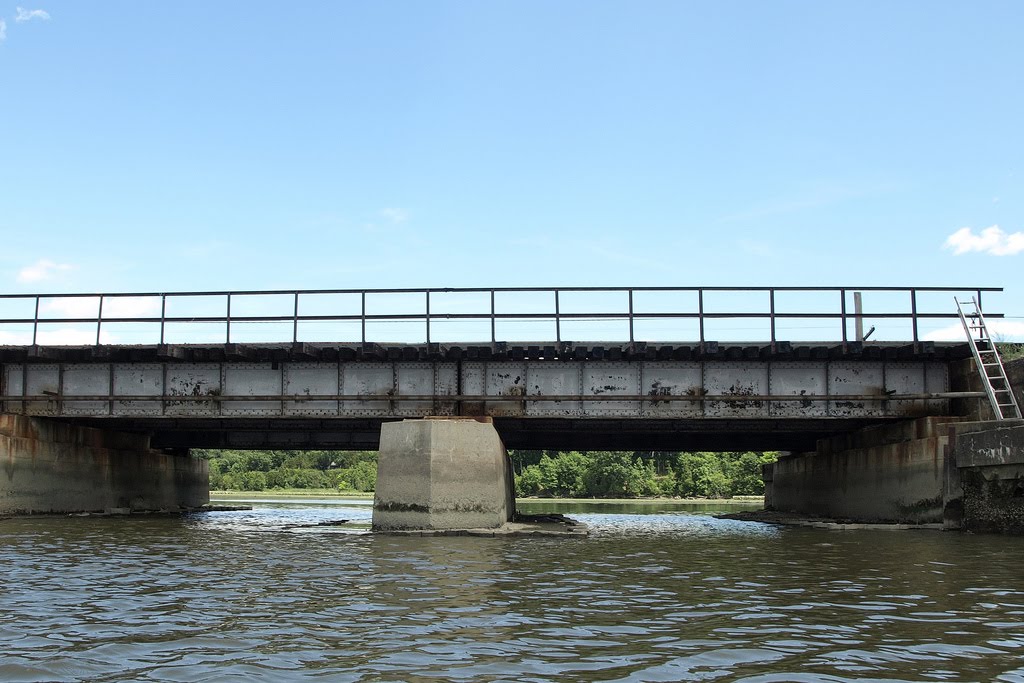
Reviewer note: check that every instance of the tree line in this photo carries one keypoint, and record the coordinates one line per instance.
(263, 470)
(573, 474)
(631, 474)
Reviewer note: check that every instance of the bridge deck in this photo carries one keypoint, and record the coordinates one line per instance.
(541, 395)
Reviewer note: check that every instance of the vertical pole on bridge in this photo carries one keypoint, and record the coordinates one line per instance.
(700, 314)
(227, 321)
(494, 337)
(630, 316)
(163, 316)
(362, 317)
(858, 316)
(35, 327)
(428, 315)
(842, 313)
(558, 320)
(771, 311)
(99, 320)
(913, 312)
(295, 320)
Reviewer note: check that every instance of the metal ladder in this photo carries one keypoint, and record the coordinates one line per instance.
(986, 357)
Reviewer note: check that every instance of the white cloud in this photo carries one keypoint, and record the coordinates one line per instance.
(1001, 330)
(3, 30)
(395, 215)
(43, 269)
(991, 240)
(24, 15)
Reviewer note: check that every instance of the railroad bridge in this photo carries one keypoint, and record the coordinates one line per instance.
(118, 374)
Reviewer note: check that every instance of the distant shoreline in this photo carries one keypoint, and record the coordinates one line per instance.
(300, 494)
(292, 493)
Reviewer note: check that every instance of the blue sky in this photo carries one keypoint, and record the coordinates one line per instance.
(252, 145)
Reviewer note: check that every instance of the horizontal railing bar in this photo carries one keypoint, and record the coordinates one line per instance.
(484, 290)
(589, 398)
(476, 316)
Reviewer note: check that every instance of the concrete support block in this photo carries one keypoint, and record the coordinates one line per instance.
(442, 474)
(990, 459)
(53, 467)
(894, 473)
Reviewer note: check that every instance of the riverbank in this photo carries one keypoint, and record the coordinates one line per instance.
(736, 500)
(292, 493)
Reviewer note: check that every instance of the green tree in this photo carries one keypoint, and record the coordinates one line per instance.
(618, 473)
(362, 476)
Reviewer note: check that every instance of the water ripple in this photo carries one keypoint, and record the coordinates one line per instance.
(267, 595)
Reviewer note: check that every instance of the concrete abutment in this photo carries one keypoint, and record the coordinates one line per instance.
(934, 470)
(887, 473)
(988, 475)
(47, 466)
(446, 473)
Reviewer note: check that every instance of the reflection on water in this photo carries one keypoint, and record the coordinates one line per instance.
(663, 596)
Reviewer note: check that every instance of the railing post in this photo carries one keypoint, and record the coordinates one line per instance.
(558, 320)
(494, 337)
(771, 314)
(163, 316)
(228, 322)
(428, 315)
(99, 320)
(35, 323)
(842, 313)
(700, 313)
(363, 315)
(630, 316)
(295, 320)
(913, 311)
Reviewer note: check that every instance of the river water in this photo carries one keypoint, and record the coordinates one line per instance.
(652, 595)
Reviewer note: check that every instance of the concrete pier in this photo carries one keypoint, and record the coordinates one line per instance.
(448, 473)
(52, 467)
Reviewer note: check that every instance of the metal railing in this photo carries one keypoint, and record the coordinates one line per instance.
(630, 314)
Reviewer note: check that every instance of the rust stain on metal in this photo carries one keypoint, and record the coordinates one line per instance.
(738, 389)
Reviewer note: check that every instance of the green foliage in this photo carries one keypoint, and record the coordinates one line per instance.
(362, 476)
(575, 474)
(297, 478)
(1009, 351)
(261, 470)
(622, 474)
